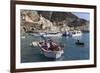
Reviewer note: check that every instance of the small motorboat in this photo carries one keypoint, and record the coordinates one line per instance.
(49, 53)
(79, 43)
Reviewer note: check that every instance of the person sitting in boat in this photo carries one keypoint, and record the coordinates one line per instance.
(44, 45)
(53, 46)
(77, 41)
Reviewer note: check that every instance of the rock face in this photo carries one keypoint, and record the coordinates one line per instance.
(61, 16)
(36, 21)
(29, 15)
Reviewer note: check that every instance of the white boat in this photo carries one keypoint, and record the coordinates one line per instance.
(50, 34)
(50, 53)
(75, 33)
(34, 44)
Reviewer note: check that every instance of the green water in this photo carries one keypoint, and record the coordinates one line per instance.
(71, 50)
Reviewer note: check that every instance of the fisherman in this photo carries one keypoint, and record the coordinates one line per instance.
(53, 46)
(45, 45)
(78, 41)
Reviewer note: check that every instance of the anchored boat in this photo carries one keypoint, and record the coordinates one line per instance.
(75, 33)
(51, 53)
(50, 34)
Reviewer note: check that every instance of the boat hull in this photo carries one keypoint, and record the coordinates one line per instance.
(51, 34)
(51, 54)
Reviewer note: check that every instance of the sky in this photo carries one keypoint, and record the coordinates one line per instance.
(82, 15)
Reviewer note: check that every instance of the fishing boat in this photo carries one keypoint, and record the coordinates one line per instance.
(49, 53)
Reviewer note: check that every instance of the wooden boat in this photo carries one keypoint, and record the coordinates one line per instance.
(49, 53)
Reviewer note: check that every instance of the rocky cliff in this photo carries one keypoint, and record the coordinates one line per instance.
(51, 21)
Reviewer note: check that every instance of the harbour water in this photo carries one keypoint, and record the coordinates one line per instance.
(71, 50)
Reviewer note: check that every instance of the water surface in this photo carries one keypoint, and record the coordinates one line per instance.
(71, 50)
